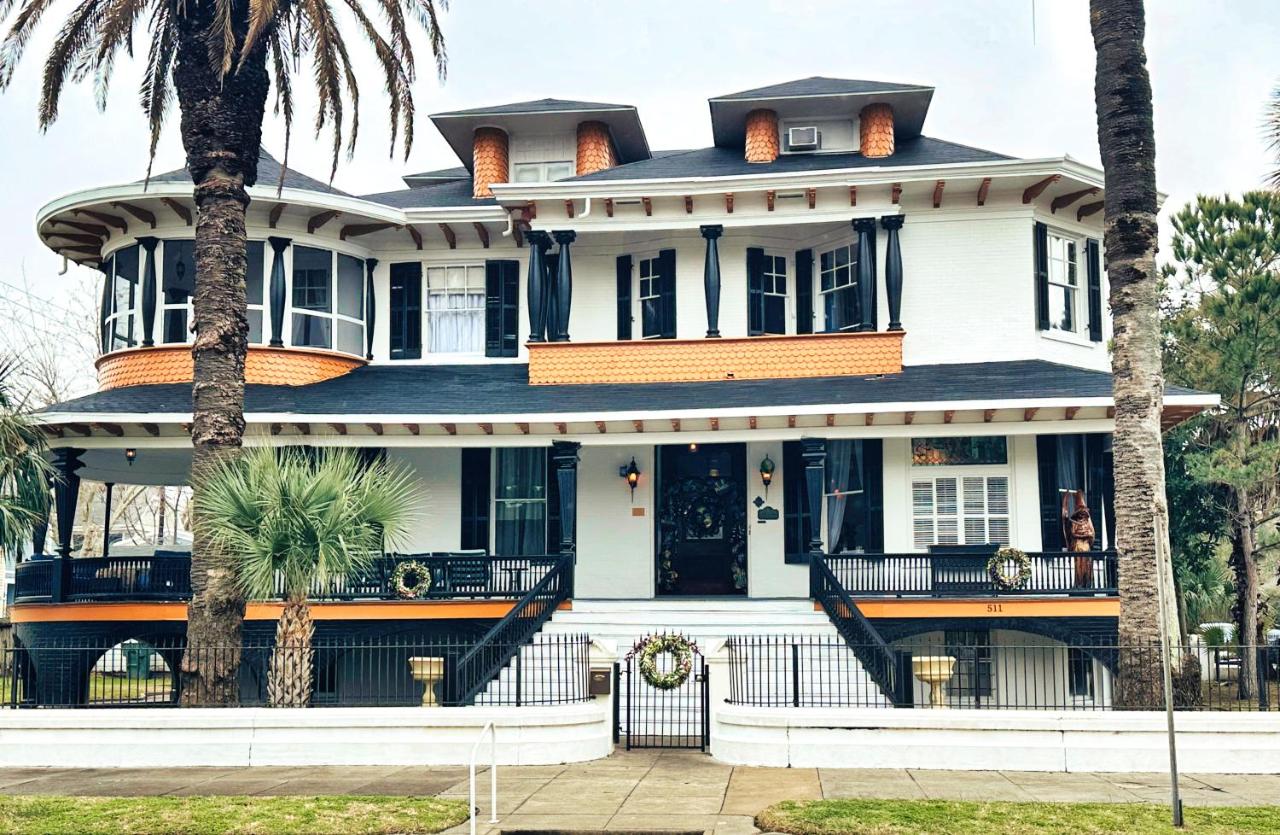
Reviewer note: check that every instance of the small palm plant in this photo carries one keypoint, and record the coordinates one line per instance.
(25, 475)
(294, 520)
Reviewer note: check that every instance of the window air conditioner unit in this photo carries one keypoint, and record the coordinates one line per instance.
(803, 138)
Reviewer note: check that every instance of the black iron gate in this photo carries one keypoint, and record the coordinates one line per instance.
(656, 717)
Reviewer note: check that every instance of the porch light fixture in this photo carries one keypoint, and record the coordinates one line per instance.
(130, 454)
(632, 474)
(766, 473)
(693, 447)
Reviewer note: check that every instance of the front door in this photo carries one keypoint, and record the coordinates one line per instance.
(702, 520)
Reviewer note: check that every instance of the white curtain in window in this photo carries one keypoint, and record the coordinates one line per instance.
(455, 321)
(844, 476)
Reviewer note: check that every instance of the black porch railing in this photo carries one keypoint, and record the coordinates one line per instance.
(347, 673)
(880, 663)
(1088, 573)
(817, 671)
(453, 576)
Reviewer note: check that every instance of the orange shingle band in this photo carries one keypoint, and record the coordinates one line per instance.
(263, 365)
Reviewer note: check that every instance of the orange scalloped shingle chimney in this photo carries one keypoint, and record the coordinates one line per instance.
(875, 130)
(595, 148)
(489, 161)
(762, 136)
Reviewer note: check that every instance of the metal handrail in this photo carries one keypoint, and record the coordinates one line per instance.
(493, 775)
(873, 653)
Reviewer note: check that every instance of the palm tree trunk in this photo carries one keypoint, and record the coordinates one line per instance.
(222, 134)
(1126, 138)
(289, 680)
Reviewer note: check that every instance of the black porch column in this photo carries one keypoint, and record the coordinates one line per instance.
(866, 229)
(149, 291)
(536, 288)
(565, 456)
(66, 490)
(711, 277)
(893, 269)
(370, 305)
(40, 533)
(276, 289)
(564, 285)
(813, 451)
(106, 520)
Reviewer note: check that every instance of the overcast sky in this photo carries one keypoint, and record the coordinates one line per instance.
(1014, 76)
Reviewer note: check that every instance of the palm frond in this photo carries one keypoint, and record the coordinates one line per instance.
(154, 93)
(262, 14)
(284, 99)
(15, 42)
(77, 35)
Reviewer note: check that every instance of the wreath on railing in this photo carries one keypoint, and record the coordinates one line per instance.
(1004, 580)
(410, 579)
(681, 651)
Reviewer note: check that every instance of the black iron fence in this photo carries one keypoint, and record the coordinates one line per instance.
(822, 671)
(1091, 573)
(376, 673)
(453, 576)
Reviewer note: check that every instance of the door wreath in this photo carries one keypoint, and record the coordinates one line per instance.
(697, 508)
(681, 651)
(1021, 569)
(410, 579)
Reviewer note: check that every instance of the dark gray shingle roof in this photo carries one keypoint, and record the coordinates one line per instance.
(504, 389)
(268, 176)
(536, 106)
(441, 195)
(821, 86)
(728, 162)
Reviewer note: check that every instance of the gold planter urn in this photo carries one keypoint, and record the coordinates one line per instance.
(429, 670)
(935, 671)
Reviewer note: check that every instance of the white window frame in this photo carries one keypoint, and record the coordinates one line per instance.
(262, 307)
(134, 314)
(547, 474)
(819, 295)
(1064, 273)
(771, 257)
(469, 267)
(544, 170)
(162, 306)
(637, 306)
(332, 314)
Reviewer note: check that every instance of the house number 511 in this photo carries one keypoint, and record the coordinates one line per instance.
(995, 607)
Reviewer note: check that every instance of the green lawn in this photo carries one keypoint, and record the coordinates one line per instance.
(217, 815)
(890, 817)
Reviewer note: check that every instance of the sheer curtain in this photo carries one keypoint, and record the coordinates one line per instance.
(520, 502)
(843, 476)
(455, 312)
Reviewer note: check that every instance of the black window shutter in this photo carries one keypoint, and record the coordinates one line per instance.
(475, 499)
(1095, 483)
(804, 291)
(873, 487)
(1093, 264)
(1041, 248)
(795, 505)
(755, 291)
(404, 328)
(1050, 500)
(553, 505)
(624, 297)
(667, 290)
(501, 308)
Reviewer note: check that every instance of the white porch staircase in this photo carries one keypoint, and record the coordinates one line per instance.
(829, 668)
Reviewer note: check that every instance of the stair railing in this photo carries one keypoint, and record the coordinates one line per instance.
(466, 677)
(882, 663)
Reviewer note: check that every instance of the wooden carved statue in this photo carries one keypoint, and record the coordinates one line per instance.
(1078, 534)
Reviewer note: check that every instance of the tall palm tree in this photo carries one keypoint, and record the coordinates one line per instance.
(292, 522)
(24, 473)
(221, 58)
(1126, 137)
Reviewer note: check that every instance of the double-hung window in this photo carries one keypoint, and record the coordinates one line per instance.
(655, 295)
(255, 290)
(1064, 283)
(520, 501)
(767, 287)
(455, 309)
(125, 293)
(178, 286)
(328, 301)
(960, 491)
(543, 172)
(838, 288)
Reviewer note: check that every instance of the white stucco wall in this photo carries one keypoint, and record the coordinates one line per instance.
(768, 574)
(437, 526)
(615, 545)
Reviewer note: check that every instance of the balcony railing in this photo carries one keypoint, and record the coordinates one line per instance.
(1090, 573)
(453, 576)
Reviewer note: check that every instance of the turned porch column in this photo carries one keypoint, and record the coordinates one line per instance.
(866, 229)
(536, 285)
(370, 306)
(275, 290)
(564, 285)
(711, 277)
(66, 490)
(893, 269)
(149, 292)
(106, 519)
(565, 456)
(813, 451)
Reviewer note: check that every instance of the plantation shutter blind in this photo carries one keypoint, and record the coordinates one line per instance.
(1093, 267)
(804, 291)
(667, 291)
(1041, 251)
(624, 296)
(755, 291)
(501, 308)
(960, 510)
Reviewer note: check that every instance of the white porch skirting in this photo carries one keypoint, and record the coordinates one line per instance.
(1116, 741)
(168, 737)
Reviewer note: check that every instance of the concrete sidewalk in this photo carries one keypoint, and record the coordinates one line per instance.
(637, 790)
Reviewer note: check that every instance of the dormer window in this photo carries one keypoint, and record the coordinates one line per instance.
(542, 172)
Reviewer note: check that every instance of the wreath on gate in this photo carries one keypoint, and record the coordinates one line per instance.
(1009, 581)
(410, 579)
(681, 651)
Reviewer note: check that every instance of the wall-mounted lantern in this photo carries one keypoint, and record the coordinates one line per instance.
(631, 473)
(766, 473)
(130, 454)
